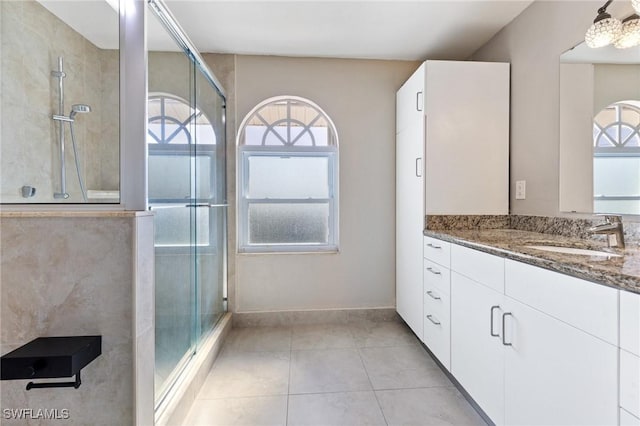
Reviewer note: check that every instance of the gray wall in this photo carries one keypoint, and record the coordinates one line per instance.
(533, 43)
(359, 95)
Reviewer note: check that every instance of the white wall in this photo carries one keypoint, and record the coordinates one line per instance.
(359, 95)
(533, 43)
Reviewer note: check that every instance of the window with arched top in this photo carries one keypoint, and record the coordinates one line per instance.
(182, 155)
(616, 158)
(287, 178)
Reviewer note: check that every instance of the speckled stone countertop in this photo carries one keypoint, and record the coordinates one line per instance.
(619, 272)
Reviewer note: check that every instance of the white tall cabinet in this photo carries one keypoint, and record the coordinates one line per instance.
(452, 157)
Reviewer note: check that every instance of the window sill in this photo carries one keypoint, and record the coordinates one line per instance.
(304, 252)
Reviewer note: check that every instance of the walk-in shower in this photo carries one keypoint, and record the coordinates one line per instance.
(60, 118)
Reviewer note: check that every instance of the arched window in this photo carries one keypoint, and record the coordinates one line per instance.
(287, 178)
(181, 144)
(616, 158)
(173, 120)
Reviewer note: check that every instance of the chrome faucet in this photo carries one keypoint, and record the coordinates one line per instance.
(612, 228)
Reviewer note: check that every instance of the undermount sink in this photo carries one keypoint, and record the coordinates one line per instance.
(572, 250)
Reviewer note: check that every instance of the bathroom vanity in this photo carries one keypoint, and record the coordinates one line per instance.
(535, 336)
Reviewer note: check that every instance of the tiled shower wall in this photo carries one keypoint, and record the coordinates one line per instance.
(32, 40)
(91, 275)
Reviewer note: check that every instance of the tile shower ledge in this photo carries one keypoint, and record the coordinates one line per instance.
(619, 272)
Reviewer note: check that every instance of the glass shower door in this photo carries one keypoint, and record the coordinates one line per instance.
(172, 192)
(187, 192)
(211, 215)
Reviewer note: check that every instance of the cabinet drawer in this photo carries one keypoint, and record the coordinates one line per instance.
(590, 307)
(437, 303)
(630, 322)
(437, 336)
(437, 251)
(481, 267)
(627, 419)
(630, 382)
(436, 277)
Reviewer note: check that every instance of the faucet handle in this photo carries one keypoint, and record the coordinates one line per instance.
(613, 218)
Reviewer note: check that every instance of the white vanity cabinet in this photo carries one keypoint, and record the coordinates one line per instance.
(560, 337)
(452, 157)
(532, 346)
(477, 354)
(437, 299)
(629, 358)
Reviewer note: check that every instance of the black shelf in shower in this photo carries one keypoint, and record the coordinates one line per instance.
(51, 357)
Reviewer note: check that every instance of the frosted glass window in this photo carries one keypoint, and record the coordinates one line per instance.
(616, 176)
(173, 226)
(289, 223)
(287, 178)
(170, 175)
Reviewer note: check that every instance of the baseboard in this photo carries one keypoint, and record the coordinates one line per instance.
(320, 316)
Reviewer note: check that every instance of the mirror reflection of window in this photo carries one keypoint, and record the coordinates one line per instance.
(616, 158)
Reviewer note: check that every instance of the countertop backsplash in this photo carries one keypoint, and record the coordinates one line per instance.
(567, 227)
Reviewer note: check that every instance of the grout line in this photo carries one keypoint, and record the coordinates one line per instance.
(286, 421)
(372, 388)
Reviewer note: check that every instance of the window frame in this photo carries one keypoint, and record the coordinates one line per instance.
(246, 151)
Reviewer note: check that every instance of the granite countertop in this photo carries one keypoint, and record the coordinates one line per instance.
(620, 272)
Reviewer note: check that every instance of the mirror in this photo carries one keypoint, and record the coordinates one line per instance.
(599, 130)
(59, 102)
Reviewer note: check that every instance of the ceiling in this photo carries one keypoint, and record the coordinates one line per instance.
(406, 30)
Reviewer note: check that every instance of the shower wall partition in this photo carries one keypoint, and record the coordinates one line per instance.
(187, 193)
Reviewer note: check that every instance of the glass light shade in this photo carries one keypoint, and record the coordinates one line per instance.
(603, 32)
(636, 5)
(630, 35)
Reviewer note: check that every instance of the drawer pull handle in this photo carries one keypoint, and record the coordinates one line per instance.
(430, 293)
(433, 271)
(504, 316)
(430, 318)
(433, 246)
(493, 308)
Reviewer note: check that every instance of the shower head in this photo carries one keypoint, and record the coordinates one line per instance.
(82, 108)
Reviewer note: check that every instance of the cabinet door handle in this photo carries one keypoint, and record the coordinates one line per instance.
(430, 293)
(430, 318)
(493, 308)
(433, 246)
(433, 271)
(418, 167)
(419, 102)
(504, 316)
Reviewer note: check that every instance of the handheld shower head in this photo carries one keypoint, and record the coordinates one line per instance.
(82, 108)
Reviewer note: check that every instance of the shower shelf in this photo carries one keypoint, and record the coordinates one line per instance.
(51, 357)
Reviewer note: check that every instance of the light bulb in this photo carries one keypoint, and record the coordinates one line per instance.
(604, 31)
(630, 35)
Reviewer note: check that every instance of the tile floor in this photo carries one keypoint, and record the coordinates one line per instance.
(358, 374)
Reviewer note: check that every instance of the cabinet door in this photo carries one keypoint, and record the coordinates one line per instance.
(467, 154)
(410, 101)
(477, 356)
(630, 322)
(409, 226)
(555, 373)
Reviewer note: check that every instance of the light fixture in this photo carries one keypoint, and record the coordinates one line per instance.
(605, 29)
(636, 5)
(630, 35)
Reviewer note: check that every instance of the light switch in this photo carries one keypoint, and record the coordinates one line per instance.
(521, 189)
